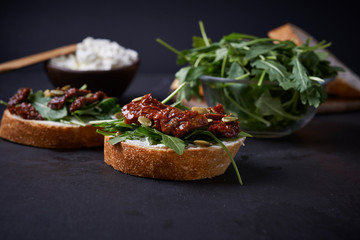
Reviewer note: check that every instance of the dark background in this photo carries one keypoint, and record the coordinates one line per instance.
(304, 186)
(29, 27)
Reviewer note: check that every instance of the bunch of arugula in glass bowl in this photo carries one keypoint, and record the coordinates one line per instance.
(273, 86)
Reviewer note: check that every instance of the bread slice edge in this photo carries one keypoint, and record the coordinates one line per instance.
(47, 134)
(164, 163)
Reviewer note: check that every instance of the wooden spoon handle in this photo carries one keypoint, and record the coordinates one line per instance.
(36, 58)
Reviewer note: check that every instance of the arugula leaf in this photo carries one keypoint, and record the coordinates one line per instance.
(313, 96)
(168, 98)
(300, 77)
(181, 75)
(257, 50)
(40, 104)
(150, 133)
(237, 36)
(321, 55)
(191, 76)
(268, 105)
(115, 125)
(235, 71)
(102, 110)
(220, 54)
(120, 138)
(75, 120)
(174, 143)
(105, 133)
(244, 134)
(276, 72)
(199, 42)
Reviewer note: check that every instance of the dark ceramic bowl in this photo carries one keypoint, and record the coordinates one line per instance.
(113, 82)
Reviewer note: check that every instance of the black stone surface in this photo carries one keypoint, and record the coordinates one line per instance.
(304, 186)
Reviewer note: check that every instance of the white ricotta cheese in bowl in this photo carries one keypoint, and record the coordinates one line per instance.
(97, 54)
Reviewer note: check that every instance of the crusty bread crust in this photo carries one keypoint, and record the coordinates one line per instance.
(42, 134)
(164, 163)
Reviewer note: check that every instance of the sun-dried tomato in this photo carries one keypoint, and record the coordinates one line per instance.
(176, 122)
(58, 102)
(21, 96)
(82, 101)
(26, 111)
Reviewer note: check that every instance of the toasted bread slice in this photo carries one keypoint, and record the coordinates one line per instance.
(48, 134)
(345, 85)
(164, 163)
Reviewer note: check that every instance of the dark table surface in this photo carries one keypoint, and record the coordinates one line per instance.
(304, 186)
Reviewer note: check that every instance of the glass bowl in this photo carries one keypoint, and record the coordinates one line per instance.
(265, 111)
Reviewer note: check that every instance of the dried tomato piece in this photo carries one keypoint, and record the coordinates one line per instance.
(147, 107)
(82, 101)
(219, 109)
(26, 111)
(173, 121)
(224, 129)
(21, 96)
(58, 102)
(176, 122)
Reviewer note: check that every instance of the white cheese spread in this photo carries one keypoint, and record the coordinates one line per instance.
(97, 54)
(144, 142)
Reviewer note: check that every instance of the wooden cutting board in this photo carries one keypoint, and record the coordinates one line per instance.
(338, 105)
